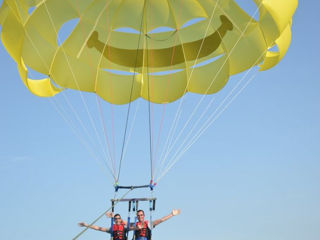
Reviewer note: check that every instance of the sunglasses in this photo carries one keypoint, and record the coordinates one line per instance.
(117, 218)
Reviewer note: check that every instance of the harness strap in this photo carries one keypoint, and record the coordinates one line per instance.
(112, 219)
(151, 206)
(129, 218)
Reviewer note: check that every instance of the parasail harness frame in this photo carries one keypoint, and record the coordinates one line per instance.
(133, 206)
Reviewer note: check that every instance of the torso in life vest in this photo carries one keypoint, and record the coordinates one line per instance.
(119, 232)
(144, 232)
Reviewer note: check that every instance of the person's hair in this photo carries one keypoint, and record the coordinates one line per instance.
(140, 211)
(117, 215)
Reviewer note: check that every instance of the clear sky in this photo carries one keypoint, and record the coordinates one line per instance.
(254, 174)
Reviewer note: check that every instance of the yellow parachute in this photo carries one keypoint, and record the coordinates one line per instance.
(97, 57)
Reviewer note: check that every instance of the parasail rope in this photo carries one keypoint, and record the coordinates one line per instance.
(131, 91)
(167, 88)
(177, 156)
(97, 72)
(131, 128)
(149, 109)
(76, 82)
(78, 135)
(70, 123)
(211, 119)
(105, 132)
(225, 99)
(76, 115)
(168, 83)
(101, 215)
(72, 126)
(176, 120)
(111, 156)
(155, 148)
(202, 98)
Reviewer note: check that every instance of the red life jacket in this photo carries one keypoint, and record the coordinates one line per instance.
(119, 232)
(144, 231)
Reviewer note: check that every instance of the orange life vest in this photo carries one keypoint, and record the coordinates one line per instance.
(119, 232)
(144, 231)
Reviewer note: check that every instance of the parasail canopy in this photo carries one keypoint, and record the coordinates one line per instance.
(154, 49)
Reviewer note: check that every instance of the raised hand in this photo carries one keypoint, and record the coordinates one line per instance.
(175, 212)
(109, 214)
(82, 224)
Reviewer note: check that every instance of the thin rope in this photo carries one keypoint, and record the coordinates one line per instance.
(111, 87)
(56, 108)
(168, 81)
(111, 156)
(76, 115)
(196, 137)
(131, 91)
(212, 115)
(131, 129)
(97, 74)
(181, 150)
(76, 82)
(106, 138)
(164, 39)
(195, 124)
(105, 132)
(222, 102)
(164, 106)
(93, 28)
(195, 109)
(78, 135)
(202, 98)
(179, 109)
(149, 112)
(62, 113)
(100, 216)
(205, 126)
(113, 135)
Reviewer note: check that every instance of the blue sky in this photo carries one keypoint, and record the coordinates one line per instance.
(254, 174)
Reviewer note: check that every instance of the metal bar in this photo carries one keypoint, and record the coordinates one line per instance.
(133, 199)
(134, 187)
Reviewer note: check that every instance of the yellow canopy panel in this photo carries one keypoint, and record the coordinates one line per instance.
(154, 49)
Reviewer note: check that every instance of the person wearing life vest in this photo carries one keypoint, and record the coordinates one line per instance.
(119, 228)
(143, 228)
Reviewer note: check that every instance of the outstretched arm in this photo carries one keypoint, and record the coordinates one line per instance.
(174, 212)
(97, 228)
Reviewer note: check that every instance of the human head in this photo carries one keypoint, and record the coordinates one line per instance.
(140, 215)
(117, 219)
